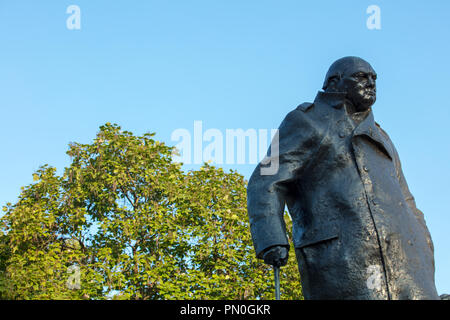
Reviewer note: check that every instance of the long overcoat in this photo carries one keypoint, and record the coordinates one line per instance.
(356, 229)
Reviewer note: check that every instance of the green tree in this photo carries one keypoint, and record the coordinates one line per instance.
(124, 221)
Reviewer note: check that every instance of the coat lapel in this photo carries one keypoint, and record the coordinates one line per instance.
(368, 129)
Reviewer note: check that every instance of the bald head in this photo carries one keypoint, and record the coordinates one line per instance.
(345, 67)
(354, 76)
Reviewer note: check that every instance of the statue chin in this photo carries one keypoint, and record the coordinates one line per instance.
(365, 104)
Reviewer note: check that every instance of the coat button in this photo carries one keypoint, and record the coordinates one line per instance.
(341, 135)
(410, 242)
(374, 202)
(366, 169)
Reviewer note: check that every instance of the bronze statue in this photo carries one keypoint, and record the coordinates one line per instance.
(356, 229)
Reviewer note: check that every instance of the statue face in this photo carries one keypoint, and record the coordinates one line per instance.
(360, 85)
(356, 78)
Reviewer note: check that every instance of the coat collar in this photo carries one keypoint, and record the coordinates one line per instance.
(367, 128)
(334, 99)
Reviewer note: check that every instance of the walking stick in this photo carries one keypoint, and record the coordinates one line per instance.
(276, 270)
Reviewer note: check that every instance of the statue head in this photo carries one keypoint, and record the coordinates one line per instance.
(355, 77)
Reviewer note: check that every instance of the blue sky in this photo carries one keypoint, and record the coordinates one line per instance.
(160, 65)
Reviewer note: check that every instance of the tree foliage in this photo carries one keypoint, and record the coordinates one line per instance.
(124, 221)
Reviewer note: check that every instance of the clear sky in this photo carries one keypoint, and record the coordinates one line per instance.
(160, 65)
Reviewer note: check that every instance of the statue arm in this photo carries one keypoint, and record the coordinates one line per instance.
(266, 194)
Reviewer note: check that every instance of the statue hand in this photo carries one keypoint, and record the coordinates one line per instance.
(276, 256)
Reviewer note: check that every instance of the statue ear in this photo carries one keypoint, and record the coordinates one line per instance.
(333, 83)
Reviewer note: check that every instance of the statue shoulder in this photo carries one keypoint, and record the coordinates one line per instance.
(298, 114)
(384, 133)
(305, 106)
(298, 118)
(388, 139)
